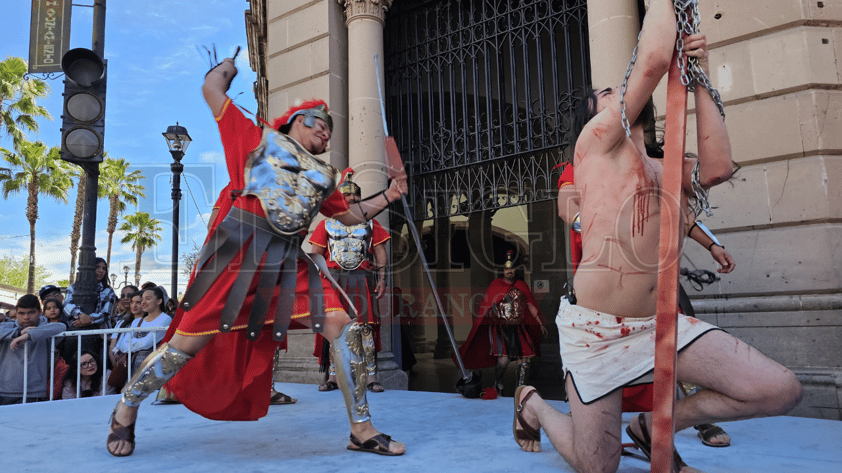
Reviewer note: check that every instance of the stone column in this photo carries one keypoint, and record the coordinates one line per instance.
(612, 31)
(365, 20)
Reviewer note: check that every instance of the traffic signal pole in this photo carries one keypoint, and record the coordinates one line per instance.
(85, 293)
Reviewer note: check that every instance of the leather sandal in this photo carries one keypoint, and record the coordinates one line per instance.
(645, 443)
(526, 432)
(120, 432)
(708, 431)
(378, 444)
(280, 399)
(375, 387)
(328, 386)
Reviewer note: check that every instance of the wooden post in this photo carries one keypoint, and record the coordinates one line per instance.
(663, 424)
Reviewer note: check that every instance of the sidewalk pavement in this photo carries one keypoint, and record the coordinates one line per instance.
(443, 432)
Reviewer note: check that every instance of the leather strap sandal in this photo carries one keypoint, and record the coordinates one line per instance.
(280, 399)
(708, 431)
(375, 387)
(120, 432)
(645, 443)
(378, 444)
(328, 386)
(526, 432)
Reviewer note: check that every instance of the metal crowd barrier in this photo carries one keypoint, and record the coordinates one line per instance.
(79, 334)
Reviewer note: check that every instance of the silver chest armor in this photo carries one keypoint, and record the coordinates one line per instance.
(512, 309)
(348, 244)
(290, 182)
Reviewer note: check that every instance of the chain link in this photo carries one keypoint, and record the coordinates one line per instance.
(701, 195)
(688, 20)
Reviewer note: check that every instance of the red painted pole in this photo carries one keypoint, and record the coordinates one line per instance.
(663, 424)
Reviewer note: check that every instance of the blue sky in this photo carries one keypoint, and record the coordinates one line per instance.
(154, 78)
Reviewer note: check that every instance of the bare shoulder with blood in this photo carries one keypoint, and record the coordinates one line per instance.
(620, 216)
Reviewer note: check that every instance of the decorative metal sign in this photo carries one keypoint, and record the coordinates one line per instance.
(49, 35)
(481, 95)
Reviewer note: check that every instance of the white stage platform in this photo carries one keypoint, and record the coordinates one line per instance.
(443, 433)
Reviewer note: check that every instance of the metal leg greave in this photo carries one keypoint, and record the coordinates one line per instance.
(522, 373)
(158, 368)
(351, 371)
(331, 371)
(369, 350)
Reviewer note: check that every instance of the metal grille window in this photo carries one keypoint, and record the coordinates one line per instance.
(480, 96)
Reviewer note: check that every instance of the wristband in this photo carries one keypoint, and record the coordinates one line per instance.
(715, 243)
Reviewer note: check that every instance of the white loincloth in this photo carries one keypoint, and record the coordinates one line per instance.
(603, 352)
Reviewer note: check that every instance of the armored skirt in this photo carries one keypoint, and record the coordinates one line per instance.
(242, 274)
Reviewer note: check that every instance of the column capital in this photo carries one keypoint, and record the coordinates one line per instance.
(372, 9)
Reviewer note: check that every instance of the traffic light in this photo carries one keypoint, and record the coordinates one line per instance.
(83, 117)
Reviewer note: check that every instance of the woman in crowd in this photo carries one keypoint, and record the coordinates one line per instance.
(142, 343)
(134, 313)
(91, 379)
(79, 320)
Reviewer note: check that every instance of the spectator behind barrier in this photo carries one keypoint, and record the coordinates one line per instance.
(142, 343)
(90, 371)
(30, 334)
(135, 312)
(50, 292)
(121, 308)
(98, 318)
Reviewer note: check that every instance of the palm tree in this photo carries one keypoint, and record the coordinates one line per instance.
(120, 187)
(142, 232)
(41, 172)
(79, 173)
(18, 110)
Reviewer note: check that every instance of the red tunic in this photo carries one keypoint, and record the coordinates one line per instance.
(477, 351)
(230, 378)
(379, 236)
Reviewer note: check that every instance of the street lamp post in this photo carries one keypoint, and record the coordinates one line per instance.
(177, 140)
(126, 269)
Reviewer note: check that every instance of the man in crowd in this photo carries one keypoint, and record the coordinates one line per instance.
(30, 333)
(50, 292)
(607, 337)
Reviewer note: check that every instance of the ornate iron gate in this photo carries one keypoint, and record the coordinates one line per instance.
(479, 98)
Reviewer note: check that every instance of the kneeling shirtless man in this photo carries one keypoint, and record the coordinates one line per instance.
(607, 339)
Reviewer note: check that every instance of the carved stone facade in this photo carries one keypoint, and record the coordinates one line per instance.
(375, 9)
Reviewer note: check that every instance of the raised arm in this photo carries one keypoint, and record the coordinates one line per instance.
(217, 82)
(655, 49)
(715, 164)
(367, 209)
